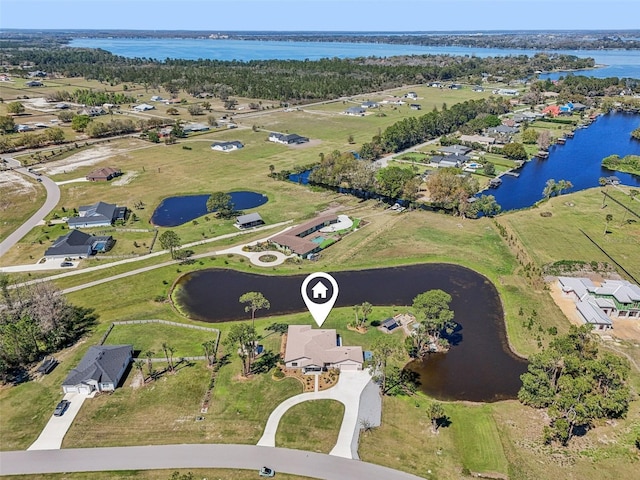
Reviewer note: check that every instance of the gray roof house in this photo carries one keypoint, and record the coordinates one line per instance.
(77, 244)
(99, 214)
(100, 369)
(454, 150)
(504, 130)
(249, 220)
(355, 111)
(287, 139)
(441, 161)
(369, 105)
(226, 146)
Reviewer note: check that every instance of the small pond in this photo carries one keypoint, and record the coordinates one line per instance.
(174, 211)
(480, 367)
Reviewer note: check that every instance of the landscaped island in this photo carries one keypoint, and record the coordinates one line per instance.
(628, 163)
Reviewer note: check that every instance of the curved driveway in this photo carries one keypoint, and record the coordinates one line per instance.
(53, 197)
(295, 462)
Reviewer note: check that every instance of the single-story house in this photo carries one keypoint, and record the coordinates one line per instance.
(446, 161)
(99, 214)
(61, 106)
(34, 83)
(249, 220)
(104, 174)
(435, 84)
(23, 128)
(101, 369)
(226, 146)
(355, 111)
(481, 139)
(454, 150)
(504, 130)
(369, 105)
(77, 244)
(156, 98)
(143, 107)
(612, 180)
(455, 86)
(412, 95)
(195, 127)
(506, 91)
(390, 324)
(37, 74)
(579, 107)
(415, 106)
(478, 88)
(92, 111)
(287, 139)
(593, 315)
(296, 239)
(318, 349)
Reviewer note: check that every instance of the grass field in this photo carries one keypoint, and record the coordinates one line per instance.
(311, 426)
(20, 198)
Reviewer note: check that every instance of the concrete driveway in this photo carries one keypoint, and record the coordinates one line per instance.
(40, 266)
(361, 400)
(54, 431)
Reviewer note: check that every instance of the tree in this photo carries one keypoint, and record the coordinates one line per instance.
(563, 185)
(242, 337)
(80, 122)
(608, 219)
(432, 311)
(391, 180)
(576, 383)
(230, 104)
(149, 354)
(436, 414)
(170, 240)
(172, 111)
(487, 205)
(450, 191)
(54, 135)
(367, 308)
(489, 169)
(384, 351)
(15, 108)
(139, 365)
(514, 151)
(530, 136)
(210, 351)
(549, 188)
(206, 106)
(256, 301)
(221, 203)
(272, 169)
(153, 136)
(7, 125)
(211, 120)
(168, 354)
(350, 140)
(194, 109)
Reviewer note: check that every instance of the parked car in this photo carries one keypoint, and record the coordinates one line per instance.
(61, 408)
(267, 472)
(39, 179)
(66, 264)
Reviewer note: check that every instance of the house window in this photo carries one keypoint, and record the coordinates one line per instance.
(294, 364)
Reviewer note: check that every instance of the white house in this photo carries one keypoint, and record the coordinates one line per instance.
(319, 349)
(287, 139)
(143, 107)
(355, 111)
(226, 146)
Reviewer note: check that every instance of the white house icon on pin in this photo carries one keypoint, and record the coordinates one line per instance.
(319, 290)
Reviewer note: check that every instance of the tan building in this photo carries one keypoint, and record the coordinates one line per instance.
(318, 349)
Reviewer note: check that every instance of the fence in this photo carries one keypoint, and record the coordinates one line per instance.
(165, 322)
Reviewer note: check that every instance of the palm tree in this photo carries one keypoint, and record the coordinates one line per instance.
(139, 365)
(608, 218)
(171, 352)
(149, 354)
(356, 309)
(367, 308)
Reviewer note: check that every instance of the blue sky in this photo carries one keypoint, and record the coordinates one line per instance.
(321, 15)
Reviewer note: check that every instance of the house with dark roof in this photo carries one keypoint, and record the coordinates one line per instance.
(287, 139)
(99, 214)
(301, 239)
(249, 220)
(369, 105)
(355, 111)
(77, 244)
(454, 150)
(314, 350)
(447, 161)
(101, 369)
(227, 146)
(104, 174)
(34, 83)
(415, 106)
(504, 130)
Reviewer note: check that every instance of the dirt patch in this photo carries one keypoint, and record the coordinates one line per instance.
(566, 304)
(14, 183)
(124, 179)
(310, 143)
(81, 159)
(138, 380)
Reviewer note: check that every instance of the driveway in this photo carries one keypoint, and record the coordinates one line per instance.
(40, 266)
(53, 197)
(54, 431)
(361, 400)
(282, 460)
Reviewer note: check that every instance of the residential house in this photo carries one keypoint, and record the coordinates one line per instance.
(448, 161)
(299, 240)
(156, 98)
(435, 85)
(92, 111)
(195, 127)
(481, 139)
(506, 91)
(390, 324)
(23, 128)
(100, 370)
(369, 105)
(34, 83)
(143, 107)
(504, 130)
(99, 214)
(61, 106)
(415, 106)
(249, 220)
(355, 111)
(454, 150)
(77, 244)
(287, 139)
(551, 110)
(37, 74)
(104, 174)
(227, 146)
(314, 350)
(478, 88)
(623, 296)
(412, 95)
(455, 86)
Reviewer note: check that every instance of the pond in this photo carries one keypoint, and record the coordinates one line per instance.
(578, 160)
(174, 211)
(480, 367)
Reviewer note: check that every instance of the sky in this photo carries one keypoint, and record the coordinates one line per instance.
(321, 15)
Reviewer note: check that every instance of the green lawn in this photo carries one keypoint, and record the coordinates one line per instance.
(311, 426)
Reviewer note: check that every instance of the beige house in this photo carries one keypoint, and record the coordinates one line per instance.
(318, 349)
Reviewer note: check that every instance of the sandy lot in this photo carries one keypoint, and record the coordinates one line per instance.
(81, 159)
(124, 179)
(11, 182)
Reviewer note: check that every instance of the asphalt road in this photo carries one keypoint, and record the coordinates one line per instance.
(296, 462)
(53, 197)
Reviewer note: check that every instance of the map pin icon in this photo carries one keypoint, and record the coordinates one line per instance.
(319, 292)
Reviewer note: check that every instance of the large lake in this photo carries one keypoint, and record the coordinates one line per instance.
(480, 367)
(578, 160)
(620, 63)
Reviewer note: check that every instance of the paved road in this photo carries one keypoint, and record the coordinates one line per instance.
(348, 391)
(295, 462)
(53, 197)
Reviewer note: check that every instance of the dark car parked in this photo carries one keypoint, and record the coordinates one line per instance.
(61, 408)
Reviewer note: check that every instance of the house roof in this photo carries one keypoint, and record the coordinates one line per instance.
(580, 286)
(455, 150)
(503, 129)
(446, 160)
(248, 218)
(369, 104)
(319, 346)
(592, 314)
(101, 363)
(73, 243)
(294, 238)
(622, 290)
(477, 139)
(355, 110)
(289, 138)
(105, 172)
(228, 145)
(97, 213)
